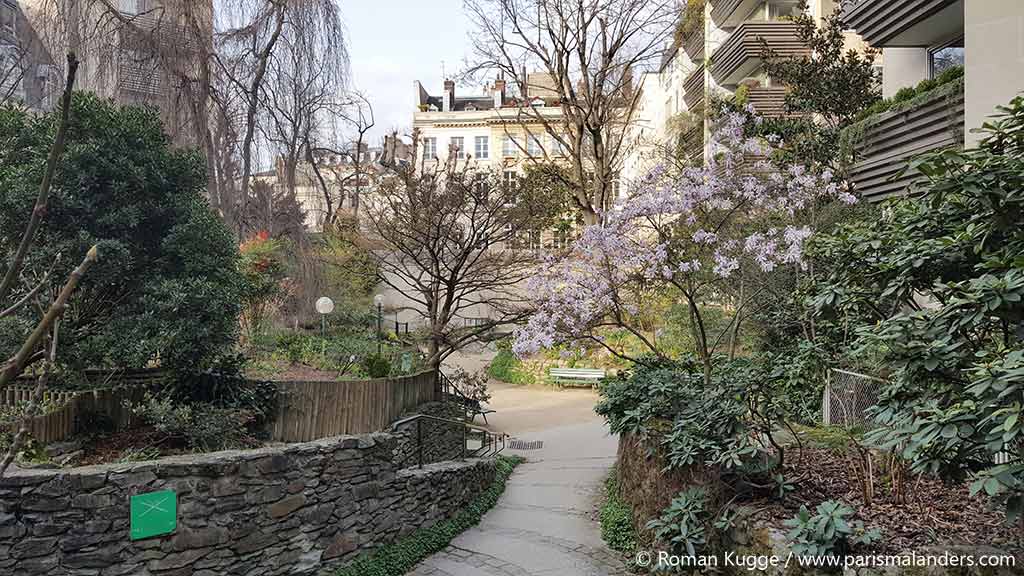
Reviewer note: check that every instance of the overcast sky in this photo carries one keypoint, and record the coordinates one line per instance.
(394, 42)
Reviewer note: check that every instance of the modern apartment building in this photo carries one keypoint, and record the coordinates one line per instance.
(717, 54)
(144, 52)
(921, 40)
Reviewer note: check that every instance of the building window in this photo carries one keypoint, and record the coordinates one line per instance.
(458, 144)
(533, 147)
(139, 72)
(482, 147)
(47, 74)
(945, 57)
(535, 240)
(562, 237)
(481, 184)
(526, 239)
(773, 11)
(509, 178)
(509, 149)
(430, 148)
(557, 148)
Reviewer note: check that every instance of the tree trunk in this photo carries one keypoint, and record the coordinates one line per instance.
(734, 333)
(434, 362)
(250, 117)
(700, 339)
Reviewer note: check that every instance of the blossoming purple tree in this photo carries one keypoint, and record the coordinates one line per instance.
(688, 235)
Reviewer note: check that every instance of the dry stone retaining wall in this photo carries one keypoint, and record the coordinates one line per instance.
(300, 508)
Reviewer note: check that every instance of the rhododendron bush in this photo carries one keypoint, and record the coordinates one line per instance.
(692, 234)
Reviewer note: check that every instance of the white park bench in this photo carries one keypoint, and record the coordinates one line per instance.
(576, 377)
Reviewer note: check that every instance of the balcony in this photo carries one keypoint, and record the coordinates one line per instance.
(882, 144)
(907, 23)
(722, 11)
(768, 101)
(693, 143)
(728, 14)
(693, 43)
(740, 55)
(693, 89)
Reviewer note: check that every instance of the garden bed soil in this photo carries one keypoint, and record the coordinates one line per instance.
(935, 514)
(114, 447)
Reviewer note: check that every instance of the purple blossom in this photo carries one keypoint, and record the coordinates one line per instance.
(703, 223)
(704, 237)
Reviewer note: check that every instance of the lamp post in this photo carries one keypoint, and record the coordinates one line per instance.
(379, 301)
(324, 306)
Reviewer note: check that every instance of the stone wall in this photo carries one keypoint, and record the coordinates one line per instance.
(442, 438)
(433, 440)
(647, 486)
(291, 509)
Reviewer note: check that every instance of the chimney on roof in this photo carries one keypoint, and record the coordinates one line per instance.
(499, 92)
(449, 96)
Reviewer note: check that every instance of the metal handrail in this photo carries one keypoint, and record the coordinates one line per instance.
(491, 444)
(449, 390)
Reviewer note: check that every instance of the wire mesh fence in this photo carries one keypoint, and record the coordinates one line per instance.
(848, 396)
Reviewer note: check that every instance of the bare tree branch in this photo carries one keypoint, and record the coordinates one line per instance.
(586, 53)
(42, 199)
(444, 240)
(13, 368)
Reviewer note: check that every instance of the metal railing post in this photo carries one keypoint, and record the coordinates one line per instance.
(419, 440)
(490, 443)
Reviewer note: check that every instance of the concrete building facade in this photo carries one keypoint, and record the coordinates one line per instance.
(970, 56)
(716, 54)
(145, 52)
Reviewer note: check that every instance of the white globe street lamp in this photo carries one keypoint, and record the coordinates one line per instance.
(379, 301)
(324, 306)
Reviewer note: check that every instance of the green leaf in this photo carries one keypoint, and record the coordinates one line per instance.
(1010, 422)
(992, 486)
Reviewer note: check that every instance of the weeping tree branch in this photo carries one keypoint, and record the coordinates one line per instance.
(252, 92)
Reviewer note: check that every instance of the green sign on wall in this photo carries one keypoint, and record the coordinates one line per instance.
(153, 514)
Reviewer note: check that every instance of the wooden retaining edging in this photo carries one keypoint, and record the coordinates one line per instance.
(306, 410)
(312, 410)
(63, 422)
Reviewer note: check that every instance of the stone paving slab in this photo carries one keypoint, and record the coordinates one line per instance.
(544, 524)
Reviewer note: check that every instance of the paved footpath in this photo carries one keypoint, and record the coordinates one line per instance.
(545, 522)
